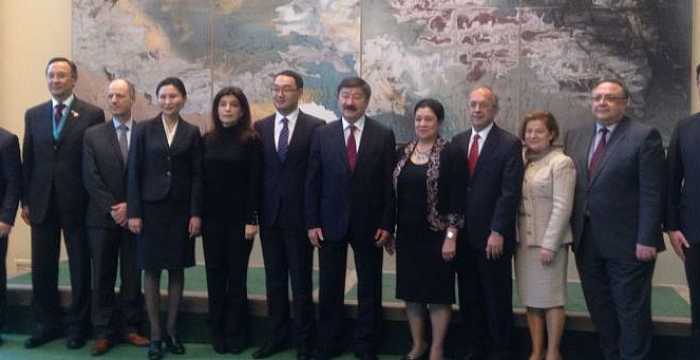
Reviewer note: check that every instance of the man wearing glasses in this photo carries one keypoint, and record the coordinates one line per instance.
(286, 138)
(618, 208)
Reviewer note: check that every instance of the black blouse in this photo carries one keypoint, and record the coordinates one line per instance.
(232, 171)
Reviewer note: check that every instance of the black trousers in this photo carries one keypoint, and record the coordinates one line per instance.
(113, 248)
(227, 275)
(692, 273)
(618, 296)
(332, 263)
(46, 240)
(3, 281)
(485, 303)
(288, 254)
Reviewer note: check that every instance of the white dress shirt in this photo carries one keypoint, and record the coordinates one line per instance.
(598, 136)
(169, 134)
(129, 126)
(483, 134)
(291, 123)
(359, 127)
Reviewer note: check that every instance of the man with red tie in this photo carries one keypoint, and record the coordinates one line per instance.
(616, 219)
(350, 201)
(55, 202)
(489, 180)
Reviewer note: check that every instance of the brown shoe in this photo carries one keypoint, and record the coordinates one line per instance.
(101, 347)
(136, 340)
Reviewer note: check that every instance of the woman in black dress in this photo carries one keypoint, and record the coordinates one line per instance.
(426, 233)
(164, 206)
(232, 160)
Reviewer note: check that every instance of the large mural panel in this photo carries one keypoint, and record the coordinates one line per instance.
(536, 54)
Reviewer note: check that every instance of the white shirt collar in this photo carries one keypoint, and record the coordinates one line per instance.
(292, 117)
(483, 133)
(610, 128)
(129, 124)
(359, 124)
(68, 102)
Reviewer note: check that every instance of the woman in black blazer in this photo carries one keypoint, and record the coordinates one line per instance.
(164, 206)
(232, 171)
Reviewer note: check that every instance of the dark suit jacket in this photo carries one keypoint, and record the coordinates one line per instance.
(684, 179)
(624, 198)
(283, 182)
(492, 195)
(157, 171)
(49, 163)
(10, 176)
(338, 200)
(104, 173)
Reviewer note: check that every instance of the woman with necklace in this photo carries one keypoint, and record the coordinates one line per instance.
(232, 170)
(164, 204)
(544, 233)
(426, 240)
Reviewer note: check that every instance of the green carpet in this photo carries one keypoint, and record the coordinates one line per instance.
(665, 300)
(13, 349)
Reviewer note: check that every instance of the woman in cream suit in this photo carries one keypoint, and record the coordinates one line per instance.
(544, 233)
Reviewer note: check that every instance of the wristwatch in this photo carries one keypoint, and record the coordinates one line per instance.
(450, 234)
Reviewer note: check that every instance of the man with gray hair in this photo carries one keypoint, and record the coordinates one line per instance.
(105, 156)
(486, 179)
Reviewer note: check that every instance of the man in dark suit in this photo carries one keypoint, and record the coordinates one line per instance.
(350, 200)
(616, 220)
(10, 192)
(490, 179)
(286, 138)
(55, 201)
(684, 206)
(105, 154)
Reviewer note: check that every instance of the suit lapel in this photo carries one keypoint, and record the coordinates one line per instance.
(111, 136)
(294, 138)
(366, 141)
(46, 126)
(340, 141)
(179, 135)
(618, 134)
(160, 130)
(487, 150)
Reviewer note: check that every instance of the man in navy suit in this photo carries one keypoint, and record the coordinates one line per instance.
(55, 201)
(489, 179)
(10, 192)
(350, 200)
(286, 138)
(684, 206)
(616, 220)
(112, 245)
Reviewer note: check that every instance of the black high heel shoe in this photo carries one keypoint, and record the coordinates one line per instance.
(174, 345)
(155, 350)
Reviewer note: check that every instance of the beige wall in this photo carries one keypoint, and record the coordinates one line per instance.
(26, 42)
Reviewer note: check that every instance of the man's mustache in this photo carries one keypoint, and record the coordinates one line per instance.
(350, 107)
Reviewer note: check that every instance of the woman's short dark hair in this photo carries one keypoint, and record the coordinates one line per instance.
(550, 122)
(242, 128)
(176, 82)
(432, 104)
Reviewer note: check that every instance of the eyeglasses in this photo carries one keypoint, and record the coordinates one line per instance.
(285, 90)
(607, 98)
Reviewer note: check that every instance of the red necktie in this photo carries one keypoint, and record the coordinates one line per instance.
(473, 154)
(352, 148)
(598, 152)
